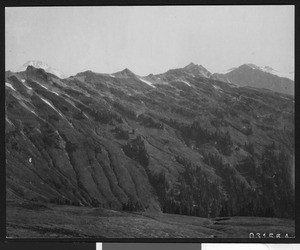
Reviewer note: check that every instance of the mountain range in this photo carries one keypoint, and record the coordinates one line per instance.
(182, 142)
(244, 75)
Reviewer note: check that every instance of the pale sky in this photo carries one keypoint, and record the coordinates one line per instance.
(150, 39)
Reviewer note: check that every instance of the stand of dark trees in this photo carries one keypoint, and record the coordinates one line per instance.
(135, 149)
(196, 133)
(121, 133)
(272, 195)
(250, 188)
(149, 122)
(131, 206)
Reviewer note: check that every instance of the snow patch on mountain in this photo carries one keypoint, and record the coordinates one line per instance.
(41, 85)
(227, 70)
(27, 86)
(185, 82)
(216, 87)
(147, 82)
(272, 71)
(44, 66)
(26, 107)
(9, 121)
(46, 101)
(9, 85)
(47, 88)
(266, 69)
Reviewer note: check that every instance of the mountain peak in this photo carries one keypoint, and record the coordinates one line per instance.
(36, 64)
(125, 73)
(252, 66)
(191, 64)
(42, 65)
(126, 70)
(32, 70)
(85, 73)
(197, 70)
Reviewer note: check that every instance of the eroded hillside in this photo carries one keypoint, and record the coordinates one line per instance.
(176, 142)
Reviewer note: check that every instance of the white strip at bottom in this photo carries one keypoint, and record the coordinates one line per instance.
(246, 246)
(99, 246)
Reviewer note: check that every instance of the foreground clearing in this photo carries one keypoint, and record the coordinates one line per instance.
(36, 220)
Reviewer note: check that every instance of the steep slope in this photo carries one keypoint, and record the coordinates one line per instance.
(257, 77)
(175, 142)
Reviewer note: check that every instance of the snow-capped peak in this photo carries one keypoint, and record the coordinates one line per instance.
(36, 64)
(44, 66)
(272, 71)
(253, 66)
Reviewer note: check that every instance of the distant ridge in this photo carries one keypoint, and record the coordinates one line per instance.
(259, 77)
(248, 74)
